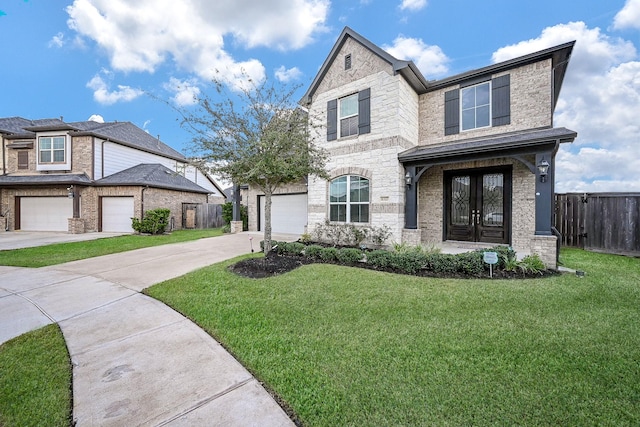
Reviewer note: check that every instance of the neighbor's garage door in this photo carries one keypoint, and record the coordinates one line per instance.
(288, 213)
(45, 213)
(116, 214)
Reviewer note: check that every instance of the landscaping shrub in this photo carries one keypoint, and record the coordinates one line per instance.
(155, 221)
(379, 258)
(470, 263)
(313, 251)
(441, 263)
(349, 255)
(329, 254)
(408, 261)
(532, 263)
(291, 248)
(350, 234)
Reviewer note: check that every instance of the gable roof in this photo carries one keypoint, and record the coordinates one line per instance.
(559, 55)
(124, 133)
(406, 68)
(152, 175)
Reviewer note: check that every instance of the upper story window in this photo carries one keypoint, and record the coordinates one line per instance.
(475, 106)
(478, 104)
(52, 149)
(349, 199)
(53, 152)
(348, 115)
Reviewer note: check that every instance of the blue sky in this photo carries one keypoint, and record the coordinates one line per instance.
(78, 58)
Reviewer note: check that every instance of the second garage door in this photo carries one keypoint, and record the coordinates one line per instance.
(45, 213)
(288, 213)
(116, 214)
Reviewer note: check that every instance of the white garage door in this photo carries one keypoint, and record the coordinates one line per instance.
(288, 213)
(45, 213)
(116, 214)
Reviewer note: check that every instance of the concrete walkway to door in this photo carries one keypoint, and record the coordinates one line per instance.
(135, 360)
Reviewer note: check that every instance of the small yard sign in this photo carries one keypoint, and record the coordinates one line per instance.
(491, 258)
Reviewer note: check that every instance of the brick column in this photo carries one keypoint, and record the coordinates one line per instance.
(236, 226)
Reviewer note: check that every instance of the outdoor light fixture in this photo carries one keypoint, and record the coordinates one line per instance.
(70, 192)
(407, 178)
(543, 168)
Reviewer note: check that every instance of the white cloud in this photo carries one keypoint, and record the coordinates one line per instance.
(142, 35)
(57, 40)
(413, 5)
(629, 16)
(430, 59)
(600, 99)
(103, 96)
(285, 75)
(96, 118)
(186, 92)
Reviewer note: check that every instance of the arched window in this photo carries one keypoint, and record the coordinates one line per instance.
(349, 199)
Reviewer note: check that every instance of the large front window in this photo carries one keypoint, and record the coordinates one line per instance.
(349, 199)
(348, 118)
(52, 149)
(476, 106)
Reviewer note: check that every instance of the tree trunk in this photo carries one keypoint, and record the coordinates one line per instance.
(267, 220)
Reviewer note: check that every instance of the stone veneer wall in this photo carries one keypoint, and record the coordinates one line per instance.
(394, 128)
(545, 247)
(431, 201)
(531, 105)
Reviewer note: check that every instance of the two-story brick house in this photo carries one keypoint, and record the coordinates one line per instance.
(469, 158)
(89, 176)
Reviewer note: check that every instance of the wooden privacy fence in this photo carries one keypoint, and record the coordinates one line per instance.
(600, 222)
(201, 215)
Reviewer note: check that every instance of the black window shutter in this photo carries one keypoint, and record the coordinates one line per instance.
(452, 112)
(332, 120)
(501, 101)
(364, 111)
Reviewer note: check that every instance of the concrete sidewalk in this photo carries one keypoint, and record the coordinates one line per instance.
(135, 360)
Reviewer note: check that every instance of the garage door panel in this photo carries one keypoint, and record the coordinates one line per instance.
(45, 213)
(116, 214)
(288, 213)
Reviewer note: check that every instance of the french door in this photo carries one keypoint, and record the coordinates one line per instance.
(478, 205)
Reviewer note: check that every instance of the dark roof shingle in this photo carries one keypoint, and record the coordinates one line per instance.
(153, 175)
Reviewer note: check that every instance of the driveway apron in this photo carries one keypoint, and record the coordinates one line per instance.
(136, 361)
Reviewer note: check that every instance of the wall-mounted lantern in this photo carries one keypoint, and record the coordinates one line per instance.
(70, 192)
(543, 168)
(408, 178)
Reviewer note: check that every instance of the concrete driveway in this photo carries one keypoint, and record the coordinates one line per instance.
(135, 360)
(26, 239)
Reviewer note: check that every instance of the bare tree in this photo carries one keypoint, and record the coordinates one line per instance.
(258, 136)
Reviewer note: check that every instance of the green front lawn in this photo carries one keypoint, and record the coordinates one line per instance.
(42, 256)
(347, 346)
(35, 380)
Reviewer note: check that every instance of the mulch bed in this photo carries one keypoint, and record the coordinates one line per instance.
(274, 264)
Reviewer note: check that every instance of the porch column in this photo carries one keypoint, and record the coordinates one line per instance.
(544, 195)
(411, 199)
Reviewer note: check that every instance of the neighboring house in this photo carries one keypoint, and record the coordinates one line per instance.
(467, 158)
(89, 176)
